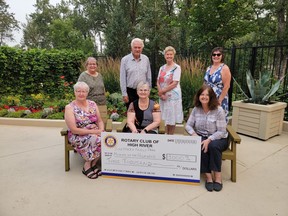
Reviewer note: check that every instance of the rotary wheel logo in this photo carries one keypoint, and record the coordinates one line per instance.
(110, 141)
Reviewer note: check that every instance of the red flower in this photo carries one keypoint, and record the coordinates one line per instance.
(6, 107)
(62, 77)
(22, 108)
(34, 110)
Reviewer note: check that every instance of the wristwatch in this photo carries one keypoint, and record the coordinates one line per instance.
(145, 131)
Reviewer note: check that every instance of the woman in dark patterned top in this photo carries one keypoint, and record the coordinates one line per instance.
(95, 82)
(143, 114)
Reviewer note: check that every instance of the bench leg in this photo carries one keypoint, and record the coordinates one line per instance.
(233, 170)
(67, 159)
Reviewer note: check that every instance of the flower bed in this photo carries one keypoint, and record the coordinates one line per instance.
(42, 107)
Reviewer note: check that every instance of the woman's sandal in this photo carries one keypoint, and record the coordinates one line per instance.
(96, 170)
(90, 173)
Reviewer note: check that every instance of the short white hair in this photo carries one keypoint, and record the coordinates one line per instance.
(81, 84)
(137, 40)
(141, 84)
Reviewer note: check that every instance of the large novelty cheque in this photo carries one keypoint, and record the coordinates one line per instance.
(151, 157)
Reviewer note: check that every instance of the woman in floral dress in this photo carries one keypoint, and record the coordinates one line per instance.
(169, 91)
(85, 125)
(218, 76)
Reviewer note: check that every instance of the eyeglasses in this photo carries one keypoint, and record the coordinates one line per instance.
(216, 54)
(83, 92)
(143, 90)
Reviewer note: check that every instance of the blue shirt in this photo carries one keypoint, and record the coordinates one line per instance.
(133, 71)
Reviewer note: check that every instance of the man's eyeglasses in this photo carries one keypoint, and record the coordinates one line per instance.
(216, 54)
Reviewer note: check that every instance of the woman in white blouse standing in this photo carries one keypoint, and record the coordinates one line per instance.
(169, 91)
(208, 121)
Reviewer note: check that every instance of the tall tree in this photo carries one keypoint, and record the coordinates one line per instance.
(38, 22)
(64, 36)
(92, 17)
(282, 30)
(8, 23)
(183, 22)
(214, 22)
(117, 34)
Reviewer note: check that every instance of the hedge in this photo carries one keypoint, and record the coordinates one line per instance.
(36, 71)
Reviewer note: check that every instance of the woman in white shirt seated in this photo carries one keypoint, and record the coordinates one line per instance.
(208, 121)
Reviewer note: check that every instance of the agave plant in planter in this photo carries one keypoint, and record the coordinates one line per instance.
(257, 116)
(259, 88)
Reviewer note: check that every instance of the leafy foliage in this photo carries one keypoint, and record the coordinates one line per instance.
(8, 23)
(3, 112)
(38, 71)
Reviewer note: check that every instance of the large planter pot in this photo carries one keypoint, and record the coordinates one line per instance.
(256, 120)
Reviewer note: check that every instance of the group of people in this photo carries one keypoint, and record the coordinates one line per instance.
(208, 118)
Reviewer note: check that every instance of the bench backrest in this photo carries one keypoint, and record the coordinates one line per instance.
(103, 112)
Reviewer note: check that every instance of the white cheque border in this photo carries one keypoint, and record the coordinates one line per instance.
(150, 157)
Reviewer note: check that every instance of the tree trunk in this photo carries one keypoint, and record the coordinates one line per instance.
(281, 55)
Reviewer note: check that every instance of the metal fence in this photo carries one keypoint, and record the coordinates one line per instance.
(273, 58)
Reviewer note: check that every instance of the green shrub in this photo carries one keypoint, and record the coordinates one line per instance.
(154, 94)
(18, 114)
(115, 104)
(36, 115)
(11, 100)
(3, 112)
(36, 71)
(59, 106)
(59, 115)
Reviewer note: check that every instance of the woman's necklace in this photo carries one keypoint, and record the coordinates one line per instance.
(169, 66)
(143, 104)
(214, 68)
(82, 105)
(93, 74)
(205, 109)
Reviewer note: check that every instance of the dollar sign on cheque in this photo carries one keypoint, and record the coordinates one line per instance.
(163, 156)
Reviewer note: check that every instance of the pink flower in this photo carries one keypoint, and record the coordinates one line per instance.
(62, 77)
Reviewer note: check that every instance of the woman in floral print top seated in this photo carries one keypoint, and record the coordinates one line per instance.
(85, 125)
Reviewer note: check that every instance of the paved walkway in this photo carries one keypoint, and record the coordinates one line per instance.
(33, 182)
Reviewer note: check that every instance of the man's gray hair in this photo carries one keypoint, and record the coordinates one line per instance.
(137, 40)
